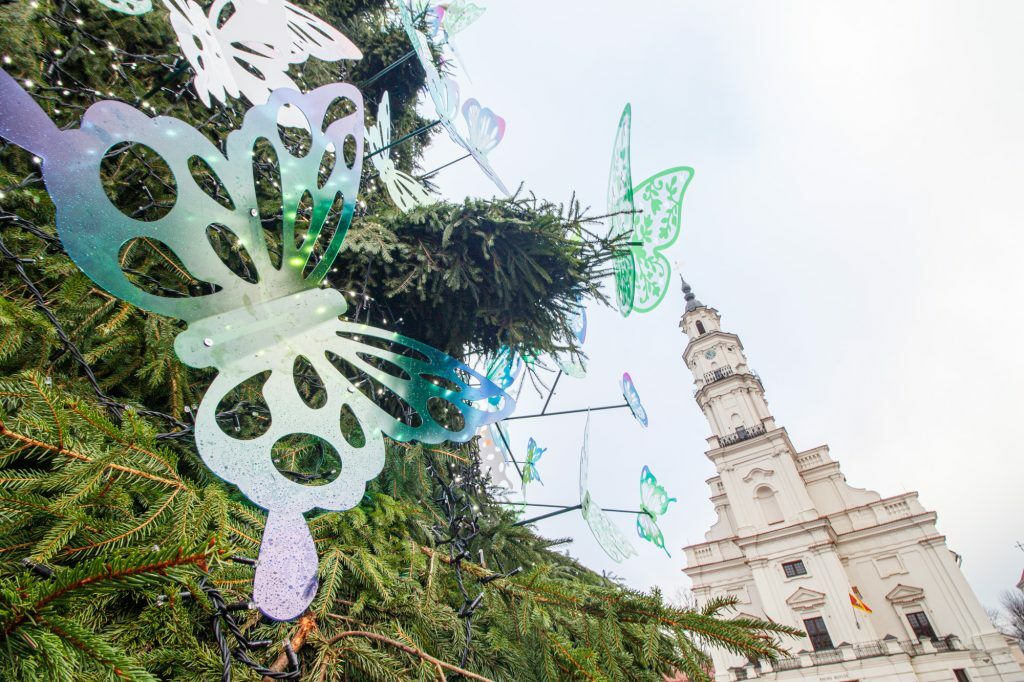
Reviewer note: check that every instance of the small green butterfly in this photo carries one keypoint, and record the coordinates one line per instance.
(533, 454)
(653, 503)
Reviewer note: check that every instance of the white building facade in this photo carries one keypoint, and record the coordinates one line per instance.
(793, 542)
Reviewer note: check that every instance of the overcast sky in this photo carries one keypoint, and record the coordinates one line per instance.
(855, 217)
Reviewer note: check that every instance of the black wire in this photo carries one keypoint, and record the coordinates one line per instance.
(222, 617)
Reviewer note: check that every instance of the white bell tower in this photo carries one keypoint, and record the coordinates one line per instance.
(795, 543)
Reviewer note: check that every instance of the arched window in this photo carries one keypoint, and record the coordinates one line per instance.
(700, 327)
(768, 501)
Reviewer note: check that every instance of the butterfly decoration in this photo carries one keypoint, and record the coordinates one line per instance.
(446, 20)
(249, 54)
(629, 392)
(651, 214)
(132, 7)
(573, 364)
(612, 540)
(504, 368)
(654, 502)
(244, 329)
(405, 190)
(485, 129)
(620, 208)
(533, 454)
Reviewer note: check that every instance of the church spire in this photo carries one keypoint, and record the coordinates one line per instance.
(691, 300)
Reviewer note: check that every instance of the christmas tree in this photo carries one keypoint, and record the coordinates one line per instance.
(123, 557)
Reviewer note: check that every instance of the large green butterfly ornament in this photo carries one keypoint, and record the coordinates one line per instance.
(651, 214)
(245, 328)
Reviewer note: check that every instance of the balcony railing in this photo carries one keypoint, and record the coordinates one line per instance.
(786, 664)
(827, 656)
(869, 650)
(864, 650)
(741, 435)
(717, 374)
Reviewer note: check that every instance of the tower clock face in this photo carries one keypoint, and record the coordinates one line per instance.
(710, 354)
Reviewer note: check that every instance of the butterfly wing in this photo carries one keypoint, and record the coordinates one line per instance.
(93, 230)
(200, 44)
(653, 496)
(310, 36)
(492, 458)
(612, 540)
(659, 200)
(629, 392)
(614, 543)
(620, 208)
(486, 130)
(648, 530)
(128, 6)
(459, 15)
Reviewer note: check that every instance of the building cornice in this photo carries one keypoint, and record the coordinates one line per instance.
(710, 335)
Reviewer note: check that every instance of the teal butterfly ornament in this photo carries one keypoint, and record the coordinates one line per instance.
(654, 502)
(247, 328)
(533, 455)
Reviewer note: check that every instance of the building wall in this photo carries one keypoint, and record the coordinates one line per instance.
(777, 505)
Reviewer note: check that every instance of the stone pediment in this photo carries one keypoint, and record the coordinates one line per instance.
(742, 616)
(757, 473)
(804, 599)
(904, 594)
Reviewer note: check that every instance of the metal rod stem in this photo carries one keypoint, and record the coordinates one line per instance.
(403, 138)
(555, 414)
(562, 506)
(387, 69)
(509, 448)
(548, 516)
(552, 393)
(441, 168)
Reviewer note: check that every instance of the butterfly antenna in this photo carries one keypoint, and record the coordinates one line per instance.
(22, 121)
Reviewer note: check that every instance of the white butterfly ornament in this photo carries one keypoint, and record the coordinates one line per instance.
(404, 190)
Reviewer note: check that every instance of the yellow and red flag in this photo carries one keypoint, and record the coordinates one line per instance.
(858, 603)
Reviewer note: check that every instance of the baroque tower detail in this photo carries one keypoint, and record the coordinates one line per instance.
(795, 543)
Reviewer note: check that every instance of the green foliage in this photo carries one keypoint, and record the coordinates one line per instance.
(128, 519)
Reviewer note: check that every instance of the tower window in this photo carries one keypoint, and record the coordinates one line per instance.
(921, 626)
(960, 675)
(818, 634)
(794, 568)
(700, 327)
